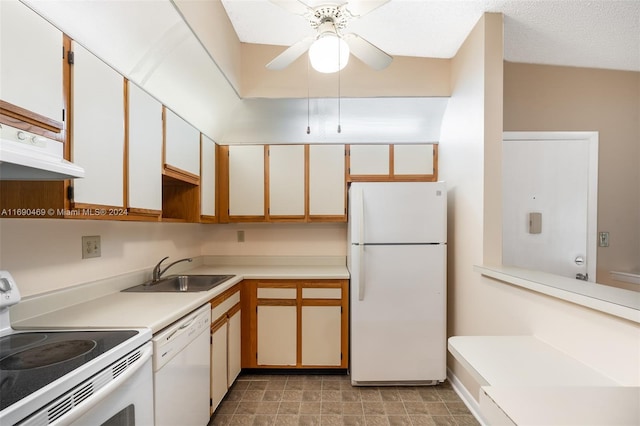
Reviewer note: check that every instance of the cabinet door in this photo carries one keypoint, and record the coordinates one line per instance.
(145, 150)
(413, 160)
(219, 383)
(277, 335)
(97, 130)
(321, 336)
(286, 180)
(24, 37)
(369, 160)
(208, 177)
(246, 180)
(234, 350)
(182, 144)
(327, 180)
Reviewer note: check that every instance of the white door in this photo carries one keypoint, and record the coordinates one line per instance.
(182, 144)
(369, 160)
(548, 175)
(246, 180)
(208, 177)
(398, 212)
(35, 86)
(97, 99)
(234, 349)
(286, 180)
(145, 150)
(326, 180)
(321, 335)
(398, 311)
(219, 360)
(277, 335)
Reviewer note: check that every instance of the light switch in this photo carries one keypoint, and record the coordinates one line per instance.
(535, 223)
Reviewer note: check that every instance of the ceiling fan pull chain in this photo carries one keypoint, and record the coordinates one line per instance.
(339, 73)
(308, 101)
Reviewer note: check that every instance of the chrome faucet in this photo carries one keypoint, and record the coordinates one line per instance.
(157, 272)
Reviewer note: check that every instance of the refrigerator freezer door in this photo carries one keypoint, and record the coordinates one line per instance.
(398, 331)
(398, 212)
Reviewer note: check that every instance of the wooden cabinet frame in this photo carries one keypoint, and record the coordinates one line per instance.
(250, 303)
(223, 194)
(221, 321)
(392, 177)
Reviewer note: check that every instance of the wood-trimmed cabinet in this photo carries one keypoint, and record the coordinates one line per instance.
(295, 323)
(392, 163)
(97, 131)
(282, 183)
(226, 343)
(208, 180)
(144, 153)
(181, 170)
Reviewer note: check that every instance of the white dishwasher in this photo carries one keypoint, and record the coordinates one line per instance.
(181, 369)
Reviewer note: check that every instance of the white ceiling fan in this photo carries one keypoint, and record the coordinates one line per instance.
(329, 20)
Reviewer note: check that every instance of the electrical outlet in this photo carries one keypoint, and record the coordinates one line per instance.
(91, 246)
(240, 236)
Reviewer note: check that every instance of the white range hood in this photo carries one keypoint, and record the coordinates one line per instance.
(26, 156)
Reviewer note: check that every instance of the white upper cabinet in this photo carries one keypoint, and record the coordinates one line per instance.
(369, 160)
(208, 177)
(286, 180)
(246, 180)
(413, 159)
(327, 186)
(97, 103)
(31, 61)
(145, 150)
(182, 144)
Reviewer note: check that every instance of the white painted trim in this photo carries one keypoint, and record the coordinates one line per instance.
(465, 396)
(592, 139)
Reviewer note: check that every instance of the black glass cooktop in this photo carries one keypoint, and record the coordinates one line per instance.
(32, 360)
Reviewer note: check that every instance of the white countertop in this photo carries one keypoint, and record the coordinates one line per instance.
(561, 405)
(116, 309)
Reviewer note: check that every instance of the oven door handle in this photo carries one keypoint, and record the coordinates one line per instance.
(102, 393)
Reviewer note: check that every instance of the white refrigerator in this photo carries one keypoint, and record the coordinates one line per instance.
(397, 257)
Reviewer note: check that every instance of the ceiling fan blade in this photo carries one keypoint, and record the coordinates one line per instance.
(358, 8)
(292, 53)
(294, 6)
(367, 52)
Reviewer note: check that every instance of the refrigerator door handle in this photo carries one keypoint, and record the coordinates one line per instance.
(361, 280)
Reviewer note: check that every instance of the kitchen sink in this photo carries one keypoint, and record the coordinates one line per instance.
(181, 284)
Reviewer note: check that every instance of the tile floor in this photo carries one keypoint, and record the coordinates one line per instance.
(318, 400)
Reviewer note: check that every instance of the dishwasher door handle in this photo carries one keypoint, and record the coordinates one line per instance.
(180, 328)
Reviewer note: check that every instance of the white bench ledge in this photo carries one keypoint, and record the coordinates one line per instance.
(525, 381)
(521, 361)
(561, 405)
(611, 300)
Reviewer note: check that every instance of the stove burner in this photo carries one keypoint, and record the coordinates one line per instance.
(44, 355)
(14, 342)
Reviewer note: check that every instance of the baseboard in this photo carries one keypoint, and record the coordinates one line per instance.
(295, 371)
(466, 397)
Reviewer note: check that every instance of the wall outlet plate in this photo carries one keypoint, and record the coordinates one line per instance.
(91, 246)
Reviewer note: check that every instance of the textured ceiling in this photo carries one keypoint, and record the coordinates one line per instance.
(584, 33)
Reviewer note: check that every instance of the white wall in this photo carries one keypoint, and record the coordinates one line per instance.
(470, 160)
(46, 255)
(273, 239)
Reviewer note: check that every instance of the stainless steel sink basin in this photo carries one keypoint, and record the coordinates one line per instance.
(181, 284)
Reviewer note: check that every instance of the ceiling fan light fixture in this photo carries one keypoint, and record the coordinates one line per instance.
(329, 53)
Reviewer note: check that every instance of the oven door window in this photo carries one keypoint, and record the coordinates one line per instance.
(125, 417)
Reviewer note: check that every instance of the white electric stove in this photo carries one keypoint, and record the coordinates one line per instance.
(72, 377)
